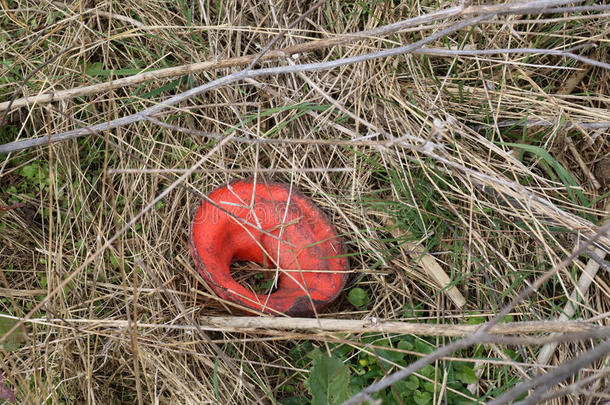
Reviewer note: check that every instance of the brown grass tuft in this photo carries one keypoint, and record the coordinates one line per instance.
(438, 144)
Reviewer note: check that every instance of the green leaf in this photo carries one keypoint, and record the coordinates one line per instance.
(15, 339)
(358, 297)
(428, 386)
(423, 347)
(427, 371)
(114, 261)
(422, 398)
(94, 69)
(264, 286)
(412, 382)
(314, 353)
(512, 354)
(390, 355)
(97, 69)
(167, 87)
(465, 374)
(30, 172)
(405, 345)
(329, 381)
(474, 319)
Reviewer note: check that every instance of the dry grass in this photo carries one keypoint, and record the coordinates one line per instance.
(495, 205)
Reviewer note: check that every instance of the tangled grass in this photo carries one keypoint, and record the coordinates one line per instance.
(489, 169)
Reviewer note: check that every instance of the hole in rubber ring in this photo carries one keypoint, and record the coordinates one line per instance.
(254, 277)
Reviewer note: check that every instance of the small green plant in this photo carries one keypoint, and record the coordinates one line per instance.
(333, 379)
(328, 381)
(358, 298)
(35, 174)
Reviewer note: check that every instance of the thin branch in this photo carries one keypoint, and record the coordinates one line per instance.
(596, 256)
(604, 372)
(580, 289)
(515, 8)
(271, 141)
(232, 62)
(529, 51)
(114, 238)
(283, 33)
(577, 9)
(112, 172)
(532, 7)
(386, 326)
(234, 77)
(480, 335)
(544, 123)
(546, 381)
(248, 74)
(504, 333)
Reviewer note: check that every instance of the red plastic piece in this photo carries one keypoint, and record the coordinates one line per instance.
(306, 241)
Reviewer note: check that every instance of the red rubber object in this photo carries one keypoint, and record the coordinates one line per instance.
(307, 242)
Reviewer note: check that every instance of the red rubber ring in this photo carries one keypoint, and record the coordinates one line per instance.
(307, 242)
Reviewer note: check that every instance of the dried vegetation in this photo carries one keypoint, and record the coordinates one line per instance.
(493, 164)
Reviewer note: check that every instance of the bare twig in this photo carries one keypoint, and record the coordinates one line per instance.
(603, 264)
(282, 34)
(527, 51)
(576, 386)
(476, 337)
(502, 333)
(514, 8)
(245, 74)
(232, 62)
(574, 9)
(544, 123)
(12, 207)
(248, 74)
(580, 290)
(113, 172)
(234, 77)
(19, 145)
(546, 381)
(115, 237)
(386, 326)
